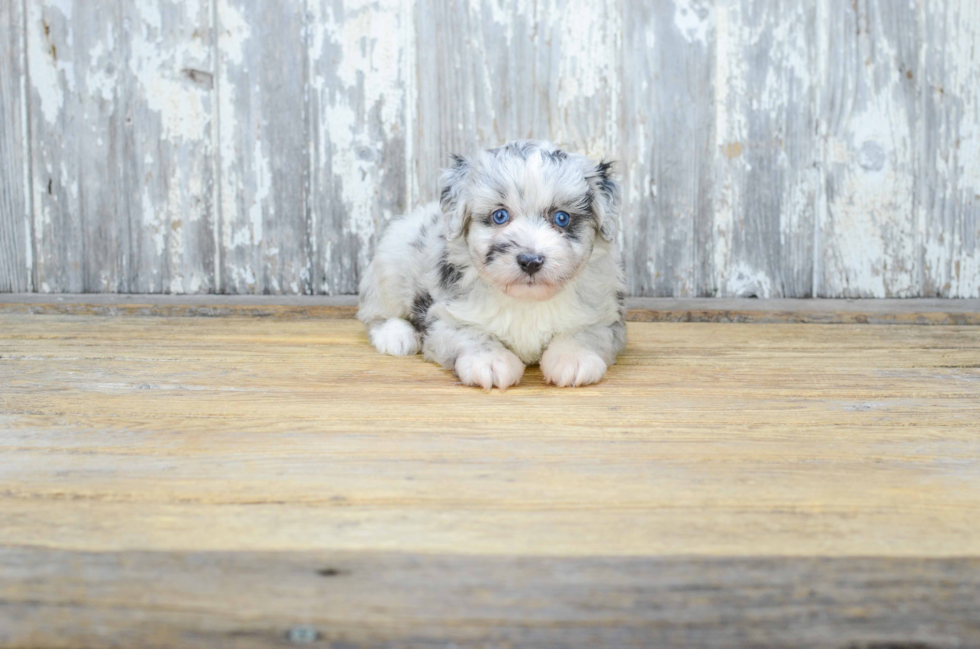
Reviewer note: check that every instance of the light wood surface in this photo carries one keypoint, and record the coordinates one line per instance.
(342, 600)
(770, 148)
(780, 473)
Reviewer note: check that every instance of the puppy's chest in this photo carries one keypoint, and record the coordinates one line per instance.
(524, 327)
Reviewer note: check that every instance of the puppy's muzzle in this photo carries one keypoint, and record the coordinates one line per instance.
(530, 264)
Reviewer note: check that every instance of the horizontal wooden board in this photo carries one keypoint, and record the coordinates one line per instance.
(57, 598)
(710, 439)
(918, 311)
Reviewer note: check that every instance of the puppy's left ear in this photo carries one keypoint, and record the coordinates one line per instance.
(451, 200)
(608, 198)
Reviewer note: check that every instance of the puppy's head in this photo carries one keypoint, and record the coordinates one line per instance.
(530, 214)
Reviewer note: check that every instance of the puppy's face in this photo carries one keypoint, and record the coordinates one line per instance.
(530, 214)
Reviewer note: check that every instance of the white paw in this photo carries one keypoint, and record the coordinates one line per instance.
(499, 368)
(396, 337)
(569, 365)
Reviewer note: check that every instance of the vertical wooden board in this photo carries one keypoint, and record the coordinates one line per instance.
(16, 255)
(492, 72)
(263, 151)
(767, 150)
(362, 71)
(949, 149)
(167, 146)
(668, 142)
(82, 233)
(122, 168)
(57, 123)
(867, 235)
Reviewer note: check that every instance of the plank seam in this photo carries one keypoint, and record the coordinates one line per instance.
(411, 71)
(820, 209)
(312, 135)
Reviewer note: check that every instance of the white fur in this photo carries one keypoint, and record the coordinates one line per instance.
(446, 278)
(524, 326)
(395, 337)
(566, 363)
(498, 367)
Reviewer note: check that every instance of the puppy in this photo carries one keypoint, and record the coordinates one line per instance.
(517, 264)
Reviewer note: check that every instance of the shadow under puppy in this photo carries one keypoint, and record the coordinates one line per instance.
(517, 264)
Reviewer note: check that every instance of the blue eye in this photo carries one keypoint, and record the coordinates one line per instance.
(562, 219)
(500, 217)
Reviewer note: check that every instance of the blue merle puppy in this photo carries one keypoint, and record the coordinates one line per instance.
(517, 264)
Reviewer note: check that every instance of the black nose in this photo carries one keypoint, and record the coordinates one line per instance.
(530, 264)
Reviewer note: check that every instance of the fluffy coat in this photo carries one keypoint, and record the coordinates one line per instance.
(516, 264)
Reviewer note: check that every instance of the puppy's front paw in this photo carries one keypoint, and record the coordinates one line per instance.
(396, 337)
(501, 368)
(570, 365)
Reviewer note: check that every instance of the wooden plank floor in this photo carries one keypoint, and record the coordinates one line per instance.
(249, 482)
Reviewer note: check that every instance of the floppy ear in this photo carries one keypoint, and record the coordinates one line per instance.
(608, 199)
(453, 206)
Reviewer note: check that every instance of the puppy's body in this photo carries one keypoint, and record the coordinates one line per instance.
(485, 298)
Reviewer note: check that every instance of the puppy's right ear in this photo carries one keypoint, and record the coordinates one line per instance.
(453, 206)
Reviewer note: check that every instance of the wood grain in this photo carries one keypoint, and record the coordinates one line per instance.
(737, 310)
(362, 106)
(948, 182)
(768, 159)
(868, 234)
(257, 482)
(515, 70)
(121, 140)
(262, 79)
(58, 598)
(715, 440)
(16, 253)
(766, 147)
(668, 147)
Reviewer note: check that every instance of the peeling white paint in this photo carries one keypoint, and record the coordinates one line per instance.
(870, 232)
(103, 78)
(951, 229)
(497, 12)
(693, 19)
(587, 61)
(729, 82)
(263, 189)
(370, 52)
(638, 181)
(366, 60)
(744, 281)
(764, 197)
(51, 75)
(162, 71)
(152, 223)
(27, 190)
(409, 65)
(234, 32)
(876, 233)
(587, 76)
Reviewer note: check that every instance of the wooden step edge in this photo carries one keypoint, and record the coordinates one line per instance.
(920, 311)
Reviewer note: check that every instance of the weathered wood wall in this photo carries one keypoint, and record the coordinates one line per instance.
(767, 147)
